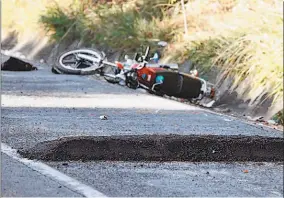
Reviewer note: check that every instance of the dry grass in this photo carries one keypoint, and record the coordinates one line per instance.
(23, 15)
(244, 39)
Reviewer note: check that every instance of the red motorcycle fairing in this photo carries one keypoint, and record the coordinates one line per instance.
(146, 76)
(119, 65)
(174, 83)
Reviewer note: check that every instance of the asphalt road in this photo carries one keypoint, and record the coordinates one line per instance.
(39, 106)
(20, 180)
(176, 179)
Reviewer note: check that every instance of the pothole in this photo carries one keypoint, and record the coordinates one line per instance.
(192, 148)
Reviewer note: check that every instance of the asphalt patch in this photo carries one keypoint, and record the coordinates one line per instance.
(194, 148)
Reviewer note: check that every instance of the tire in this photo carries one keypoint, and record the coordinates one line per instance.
(78, 71)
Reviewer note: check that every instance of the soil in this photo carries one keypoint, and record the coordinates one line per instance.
(159, 148)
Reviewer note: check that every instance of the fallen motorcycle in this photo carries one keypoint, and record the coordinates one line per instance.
(157, 79)
(164, 80)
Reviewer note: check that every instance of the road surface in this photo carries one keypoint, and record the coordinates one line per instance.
(39, 106)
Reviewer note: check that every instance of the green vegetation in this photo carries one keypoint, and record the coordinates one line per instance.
(279, 117)
(242, 38)
(120, 26)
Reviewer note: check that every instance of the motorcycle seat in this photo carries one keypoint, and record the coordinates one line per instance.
(191, 87)
(179, 85)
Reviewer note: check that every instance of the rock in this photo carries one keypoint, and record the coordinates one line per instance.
(259, 119)
(273, 122)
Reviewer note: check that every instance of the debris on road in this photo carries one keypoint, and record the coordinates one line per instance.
(222, 110)
(158, 148)
(103, 117)
(15, 64)
(261, 121)
(273, 122)
(158, 110)
(209, 105)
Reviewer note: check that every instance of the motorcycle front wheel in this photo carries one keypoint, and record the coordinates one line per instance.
(70, 63)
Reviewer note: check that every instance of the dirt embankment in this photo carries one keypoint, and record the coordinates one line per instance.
(159, 148)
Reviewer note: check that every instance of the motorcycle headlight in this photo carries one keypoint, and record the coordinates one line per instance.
(134, 75)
